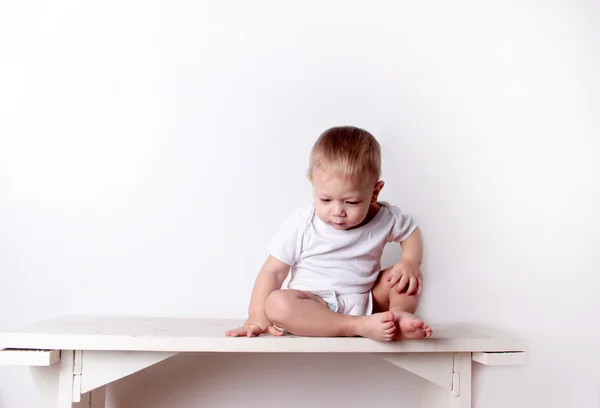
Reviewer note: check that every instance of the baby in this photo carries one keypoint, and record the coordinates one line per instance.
(332, 251)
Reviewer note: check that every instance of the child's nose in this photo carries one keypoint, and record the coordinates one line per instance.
(338, 211)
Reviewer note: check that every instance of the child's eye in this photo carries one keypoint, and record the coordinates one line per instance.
(325, 200)
(353, 202)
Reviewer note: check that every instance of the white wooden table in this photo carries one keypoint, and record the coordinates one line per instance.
(73, 358)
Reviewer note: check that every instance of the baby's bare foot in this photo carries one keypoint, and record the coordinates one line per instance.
(379, 326)
(409, 326)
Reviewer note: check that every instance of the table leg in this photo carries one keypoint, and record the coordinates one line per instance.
(435, 397)
(65, 380)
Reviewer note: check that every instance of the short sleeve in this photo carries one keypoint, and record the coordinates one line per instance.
(403, 225)
(286, 244)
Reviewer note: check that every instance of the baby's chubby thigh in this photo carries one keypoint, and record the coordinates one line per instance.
(381, 291)
(284, 305)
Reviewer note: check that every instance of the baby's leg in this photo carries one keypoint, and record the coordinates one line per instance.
(304, 314)
(403, 306)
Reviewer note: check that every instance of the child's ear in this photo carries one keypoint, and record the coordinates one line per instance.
(377, 190)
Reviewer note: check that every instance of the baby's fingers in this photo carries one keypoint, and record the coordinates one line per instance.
(393, 279)
(413, 285)
(254, 331)
(240, 331)
(420, 290)
(402, 284)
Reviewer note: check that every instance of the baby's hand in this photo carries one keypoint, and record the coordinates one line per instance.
(253, 328)
(407, 275)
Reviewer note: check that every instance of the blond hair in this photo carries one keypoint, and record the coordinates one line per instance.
(347, 152)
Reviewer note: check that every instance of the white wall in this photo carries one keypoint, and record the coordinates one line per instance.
(149, 150)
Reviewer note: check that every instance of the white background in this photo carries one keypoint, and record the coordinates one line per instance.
(148, 150)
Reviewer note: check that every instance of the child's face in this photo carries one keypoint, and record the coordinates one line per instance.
(343, 204)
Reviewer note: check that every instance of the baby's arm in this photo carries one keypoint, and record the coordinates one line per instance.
(407, 271)
(412, 248)
(269, 279)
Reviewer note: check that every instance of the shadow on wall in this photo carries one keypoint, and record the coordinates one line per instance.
(391, 255)
(267, 380)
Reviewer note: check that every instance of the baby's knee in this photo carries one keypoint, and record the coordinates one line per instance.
(278, 307)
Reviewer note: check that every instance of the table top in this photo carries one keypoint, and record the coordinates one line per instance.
(208, 335)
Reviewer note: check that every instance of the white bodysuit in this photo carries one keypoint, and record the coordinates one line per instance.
(339, 266)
